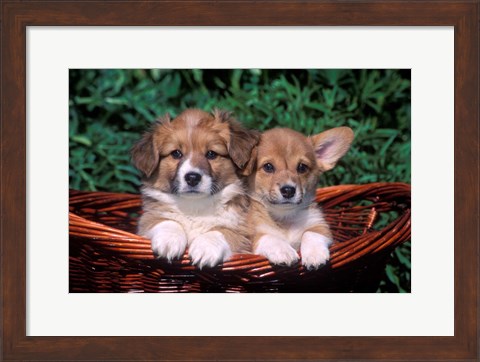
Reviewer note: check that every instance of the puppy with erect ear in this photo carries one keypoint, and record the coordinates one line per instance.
(194, 194)
(283, 185)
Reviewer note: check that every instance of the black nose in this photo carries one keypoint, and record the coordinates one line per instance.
(193, 178)
(287, 191)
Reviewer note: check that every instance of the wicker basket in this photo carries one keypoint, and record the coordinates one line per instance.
(367, 221)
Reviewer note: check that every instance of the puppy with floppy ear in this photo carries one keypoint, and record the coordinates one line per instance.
(193, 193)
(283, 186)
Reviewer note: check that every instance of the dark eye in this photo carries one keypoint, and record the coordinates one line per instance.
(268, 167)
(211, 155)
(177, 154)
(302, 168)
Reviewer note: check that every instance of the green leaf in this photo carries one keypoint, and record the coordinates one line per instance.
(82, 140)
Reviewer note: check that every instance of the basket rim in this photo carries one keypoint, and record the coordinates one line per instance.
(129, 246)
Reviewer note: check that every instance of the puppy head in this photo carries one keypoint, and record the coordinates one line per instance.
(289, 164)
(194, 155)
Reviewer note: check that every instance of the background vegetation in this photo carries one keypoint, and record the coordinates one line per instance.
(110, 109)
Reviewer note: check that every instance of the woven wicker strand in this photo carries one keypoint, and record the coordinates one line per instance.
(367, 221)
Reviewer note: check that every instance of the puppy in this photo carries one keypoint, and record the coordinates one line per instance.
(193, 194)
(283, 184)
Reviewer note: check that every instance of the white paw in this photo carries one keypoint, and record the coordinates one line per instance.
(276, 250)
(168, 240)
(209, 249)
(314, 249)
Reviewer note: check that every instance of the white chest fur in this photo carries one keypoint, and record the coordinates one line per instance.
(199, 215)
(293, 225)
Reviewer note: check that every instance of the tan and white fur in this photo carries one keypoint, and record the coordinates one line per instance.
(283, 184)
(193, 193)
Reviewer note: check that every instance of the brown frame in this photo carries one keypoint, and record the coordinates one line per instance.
(17, 15)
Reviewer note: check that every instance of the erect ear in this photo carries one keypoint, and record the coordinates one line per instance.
(145, 153)
(331, 145)
(241, 141)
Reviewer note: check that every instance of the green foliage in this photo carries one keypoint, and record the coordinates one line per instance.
(398, 271)
(110, 109)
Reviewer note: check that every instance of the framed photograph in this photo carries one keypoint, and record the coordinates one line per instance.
(435, 42)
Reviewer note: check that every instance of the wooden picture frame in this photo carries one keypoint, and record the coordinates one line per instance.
(17, 16)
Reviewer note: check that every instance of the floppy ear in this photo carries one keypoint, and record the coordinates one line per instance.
(145, 153)
(331, 145)
(249, 167)
(241, 141)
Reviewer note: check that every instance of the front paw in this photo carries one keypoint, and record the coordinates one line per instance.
(314, 249)
(168, 240)
(209, 249)
(276, 250)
